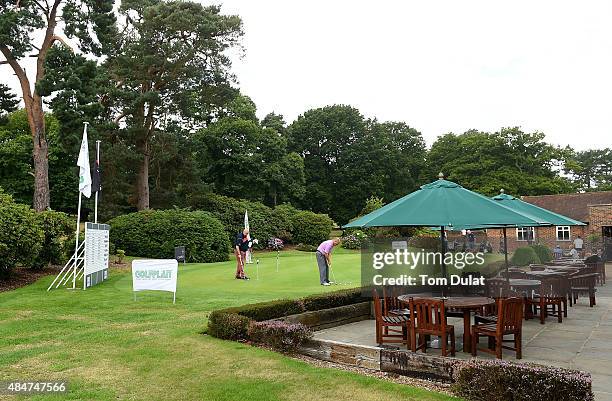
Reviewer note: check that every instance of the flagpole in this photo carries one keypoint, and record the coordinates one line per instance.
(97, 166)
(78, 228)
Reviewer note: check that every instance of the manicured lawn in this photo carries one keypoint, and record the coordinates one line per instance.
(111, 347)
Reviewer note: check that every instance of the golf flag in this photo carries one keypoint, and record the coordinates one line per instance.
(246, 223)
(83, 163)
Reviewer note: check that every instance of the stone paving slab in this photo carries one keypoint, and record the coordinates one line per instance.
(583, 341)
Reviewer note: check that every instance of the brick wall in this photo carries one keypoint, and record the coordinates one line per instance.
(599, 216)
(543, 235)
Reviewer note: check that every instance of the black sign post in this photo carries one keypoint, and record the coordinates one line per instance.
(179, 253)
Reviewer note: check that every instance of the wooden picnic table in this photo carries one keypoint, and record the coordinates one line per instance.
(546, 273)
(465, 304)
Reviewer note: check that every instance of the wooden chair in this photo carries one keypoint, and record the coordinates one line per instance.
(385, 323)
(583, 284)
(509, 322)
(600, 269)
(496, 287)
(551, 300)
(430, 320)
(513, 273)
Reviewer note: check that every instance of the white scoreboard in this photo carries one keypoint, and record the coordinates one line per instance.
(97, 247)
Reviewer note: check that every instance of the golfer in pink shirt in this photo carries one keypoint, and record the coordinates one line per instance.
(324, 259)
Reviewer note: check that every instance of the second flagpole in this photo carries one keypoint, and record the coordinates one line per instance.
(97, 166)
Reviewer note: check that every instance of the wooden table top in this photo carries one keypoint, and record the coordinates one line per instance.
(455, 302)
(522, 282)
(546, 273)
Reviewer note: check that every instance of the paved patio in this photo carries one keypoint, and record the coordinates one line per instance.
(583, 341)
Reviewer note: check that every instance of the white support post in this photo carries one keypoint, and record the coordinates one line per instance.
(76, 249)
(97, 167)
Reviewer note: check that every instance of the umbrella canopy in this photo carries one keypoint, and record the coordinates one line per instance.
(535, 211)
(444, 203)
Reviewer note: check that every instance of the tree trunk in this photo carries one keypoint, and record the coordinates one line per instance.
(40, 155)
(143, 179)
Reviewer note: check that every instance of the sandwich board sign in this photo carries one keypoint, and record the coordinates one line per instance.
(155, 275)
(95, 268)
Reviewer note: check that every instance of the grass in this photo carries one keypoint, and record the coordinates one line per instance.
(111, 347)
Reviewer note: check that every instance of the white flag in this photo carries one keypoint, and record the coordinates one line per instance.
(246, 223)
(83, 163)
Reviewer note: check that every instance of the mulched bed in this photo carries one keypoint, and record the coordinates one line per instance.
(21, 277)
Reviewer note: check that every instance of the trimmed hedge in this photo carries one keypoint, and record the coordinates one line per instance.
(524, 256)
(59, 238)
(284, 221)
(543, 252)
(311, 228)
(21, 235)
(233, 323)
(155, 233)
(496, 380)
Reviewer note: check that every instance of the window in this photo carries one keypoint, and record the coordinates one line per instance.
(563, 233)
(525, 234)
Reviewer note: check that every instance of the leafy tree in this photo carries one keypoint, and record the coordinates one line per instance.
(16, 169)
(22, 23)
(348, 158)
(169, 66)
(276, 122)
(591, 170)
(243, 160)
(522, 164)
(8, 101)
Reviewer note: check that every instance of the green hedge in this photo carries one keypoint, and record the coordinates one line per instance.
(233, 323)
(494, 380)
(21, 235)
(311, 228)
(524, 256)
(543, 252)
(59, 238)
(155, 233)
(284, 221)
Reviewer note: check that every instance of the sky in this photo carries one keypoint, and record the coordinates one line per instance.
(440, 65)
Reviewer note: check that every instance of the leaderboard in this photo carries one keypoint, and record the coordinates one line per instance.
(97, 246)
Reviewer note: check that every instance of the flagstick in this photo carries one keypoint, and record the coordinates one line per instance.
(97, 167)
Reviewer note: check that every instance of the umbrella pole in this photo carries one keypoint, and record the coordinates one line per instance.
(506, 254)
(444, 292)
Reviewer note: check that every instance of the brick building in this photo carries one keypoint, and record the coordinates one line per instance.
(592, 208)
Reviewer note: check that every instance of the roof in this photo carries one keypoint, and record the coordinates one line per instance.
(575, 206)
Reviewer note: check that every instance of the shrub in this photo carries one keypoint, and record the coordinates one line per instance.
(155, 233)
(228, 326)
(279, 335)
(58, 229)
(264, 221)
(483, 380)
(306, 248)
(233, 323)
(544, 254)
(275, 244)
(120, 255)
(311, 228)
(425, 241)
(354, 240)
(21, 235)
(332, 299)
(524, 256)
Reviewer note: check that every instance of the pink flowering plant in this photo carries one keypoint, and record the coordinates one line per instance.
(280, 335)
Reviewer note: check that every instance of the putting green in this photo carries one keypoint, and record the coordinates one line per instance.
(111, 347)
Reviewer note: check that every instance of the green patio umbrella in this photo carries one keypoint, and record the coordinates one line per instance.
(445, 204)
(526, 208)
